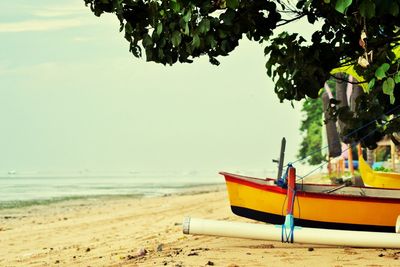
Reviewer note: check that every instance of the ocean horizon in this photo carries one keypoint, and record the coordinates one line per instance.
(26, 189)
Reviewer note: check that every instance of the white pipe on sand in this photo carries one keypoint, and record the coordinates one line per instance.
(301, 234)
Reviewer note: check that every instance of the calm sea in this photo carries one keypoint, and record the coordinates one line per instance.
(21, 190)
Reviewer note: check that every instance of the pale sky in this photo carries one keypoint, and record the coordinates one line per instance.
(73, 98)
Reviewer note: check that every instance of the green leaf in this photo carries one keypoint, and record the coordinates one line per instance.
(222, 34)
(388, 86)
(176, 38)
(159, 28)
(394, 9)
(397, 77)
(385, 67)
(186, 31)
(367, 9)
(196, 41)
(380, 72)
(311, 18)
(204, 25)
(232, 4)
(222, 4)
(176, 7)
(342, 5)
(300, 4)
(224, 45)
(187, 16)
(371, 84)
(392, 99)
(211, 41)
(147, 41)
(128, 28)
(228, 17)
(160, 53)
(214, 61)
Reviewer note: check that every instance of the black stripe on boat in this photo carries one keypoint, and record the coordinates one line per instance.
(279, 219)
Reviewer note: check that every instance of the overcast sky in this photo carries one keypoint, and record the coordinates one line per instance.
(73, 98)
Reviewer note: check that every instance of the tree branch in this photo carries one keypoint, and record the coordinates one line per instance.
(345, 80)
(287, 21)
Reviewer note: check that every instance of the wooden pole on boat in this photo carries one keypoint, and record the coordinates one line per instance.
(337, 168)
(291, 187)
(393, 155)
(288, 225)
(350, 160)
(342, 166)
(301, 234)
(281, 158)
(359, 150)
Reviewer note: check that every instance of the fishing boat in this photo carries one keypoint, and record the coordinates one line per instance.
(315, 205)
(376, 178)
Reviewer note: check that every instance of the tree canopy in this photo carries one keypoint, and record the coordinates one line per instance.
(360, 37)
(312, 127)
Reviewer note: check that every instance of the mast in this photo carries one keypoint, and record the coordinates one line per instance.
(281, 157)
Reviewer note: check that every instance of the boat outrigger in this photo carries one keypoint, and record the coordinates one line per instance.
(315, 205)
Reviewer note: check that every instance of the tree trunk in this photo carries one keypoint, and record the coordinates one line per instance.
(334, 145)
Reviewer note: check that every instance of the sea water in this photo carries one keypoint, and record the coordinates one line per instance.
(22, 190)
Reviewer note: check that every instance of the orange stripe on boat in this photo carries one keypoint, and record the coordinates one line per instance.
(318, 207)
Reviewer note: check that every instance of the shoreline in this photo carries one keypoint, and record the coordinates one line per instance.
(148, 232)
(191, 188)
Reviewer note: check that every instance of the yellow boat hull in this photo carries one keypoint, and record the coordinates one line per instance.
(261, 200)
(378, 179)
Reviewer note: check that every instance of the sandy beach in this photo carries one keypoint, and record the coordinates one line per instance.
(125, 231)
